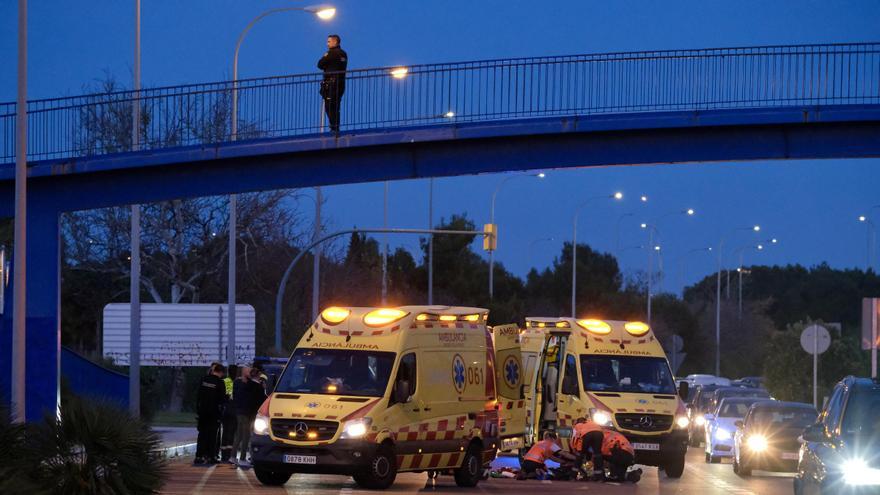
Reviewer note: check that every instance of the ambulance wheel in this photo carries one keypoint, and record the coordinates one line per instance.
(271, 478)
(381, 471)
(674, 467)
(471, 469)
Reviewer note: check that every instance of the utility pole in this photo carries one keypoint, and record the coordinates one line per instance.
(134, 360)
(19, 309)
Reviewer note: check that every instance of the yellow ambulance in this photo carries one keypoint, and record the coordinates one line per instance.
(510, 375)
(370, 392)
(617, 373)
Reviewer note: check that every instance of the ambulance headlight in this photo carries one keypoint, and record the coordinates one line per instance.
(261, 425)
(601, 418)
(857, 473)
(356, 428)
(700, 420)
(682, 422)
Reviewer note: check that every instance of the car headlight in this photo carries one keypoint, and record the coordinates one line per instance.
(682, 422)
(356, 428)
(261, 425)
(757, 443)
(856, 472)
(700, 420)
(601, 418)
(722, 434)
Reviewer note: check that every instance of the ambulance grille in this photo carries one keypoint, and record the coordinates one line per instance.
(644, 422)
(298, 429)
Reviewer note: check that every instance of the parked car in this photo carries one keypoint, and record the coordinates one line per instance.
(721, 426)
(698, 379)
(841, 452)
(768, 438)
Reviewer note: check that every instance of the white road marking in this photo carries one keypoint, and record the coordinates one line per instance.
(204, 480)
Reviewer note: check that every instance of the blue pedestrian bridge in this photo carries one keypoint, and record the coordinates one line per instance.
(720, 104)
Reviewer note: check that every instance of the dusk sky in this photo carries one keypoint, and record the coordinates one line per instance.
(811, 206)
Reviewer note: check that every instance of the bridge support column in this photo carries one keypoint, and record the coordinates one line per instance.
(43, 361)
(42, 322)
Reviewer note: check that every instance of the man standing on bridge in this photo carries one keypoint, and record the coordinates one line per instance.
(333, 63)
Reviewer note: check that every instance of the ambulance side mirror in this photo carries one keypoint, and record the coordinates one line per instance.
(683, 389)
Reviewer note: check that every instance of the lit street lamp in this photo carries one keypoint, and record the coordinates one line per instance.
(756, 228)
(652, 229)
(616, 196)
(540, 175)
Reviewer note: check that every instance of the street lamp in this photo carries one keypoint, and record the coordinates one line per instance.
(740, 270)
(871, 239)
(755, 228)
(323, 13)
(539, 175)
(652, 229)
(399, 72)
(577, 211)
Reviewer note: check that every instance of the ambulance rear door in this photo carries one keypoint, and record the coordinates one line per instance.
(509, 383)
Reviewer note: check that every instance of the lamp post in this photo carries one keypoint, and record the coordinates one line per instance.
(739, 270)
(19, 313)
(756, 228)
(430, 242)
(324, 13)
(652, 229)
(492, 221)
(643, 199)
(871, 236)
(577, 211)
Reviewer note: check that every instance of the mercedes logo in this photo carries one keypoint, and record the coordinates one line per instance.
(301, 428)
(646, 422)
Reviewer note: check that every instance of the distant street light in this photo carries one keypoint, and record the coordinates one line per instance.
(577, 211)
(740, 270)
(756, 228)
(503, 181)
(652, 229)
(399, 72)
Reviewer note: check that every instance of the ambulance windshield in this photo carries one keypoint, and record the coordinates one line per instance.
(626, 374)
(337, 372)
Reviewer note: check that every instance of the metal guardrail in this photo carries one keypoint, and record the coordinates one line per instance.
(491, 90)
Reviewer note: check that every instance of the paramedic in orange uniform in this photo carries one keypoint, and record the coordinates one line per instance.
(586, 443)
(533, 462)
(620, 455)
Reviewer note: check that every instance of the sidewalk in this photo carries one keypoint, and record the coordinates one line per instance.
(177, 441)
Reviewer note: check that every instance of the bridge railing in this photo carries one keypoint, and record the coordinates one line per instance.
(491, 90)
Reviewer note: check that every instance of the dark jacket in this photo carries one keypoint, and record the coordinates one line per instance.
(211, 397)
(333, 63)
(247, 397)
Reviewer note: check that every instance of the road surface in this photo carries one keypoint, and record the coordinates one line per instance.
(699, 479)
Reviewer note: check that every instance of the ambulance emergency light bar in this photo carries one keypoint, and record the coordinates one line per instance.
(386, 316)
(594, 326)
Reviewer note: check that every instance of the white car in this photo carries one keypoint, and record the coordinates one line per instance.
(721, 426)
(707, 380)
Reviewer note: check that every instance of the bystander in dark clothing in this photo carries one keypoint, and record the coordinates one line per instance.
(209, 408)
(248, 396)
(333, 63)
(228, 423)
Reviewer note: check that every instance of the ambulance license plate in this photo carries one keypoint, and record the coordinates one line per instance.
(300, 459)
(646, 446)
(789, 456)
